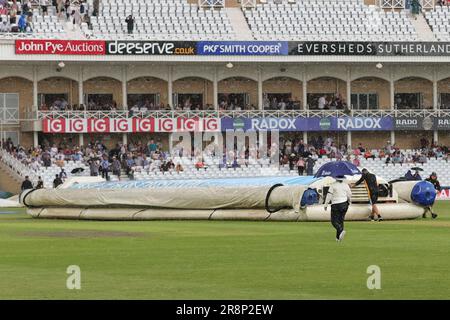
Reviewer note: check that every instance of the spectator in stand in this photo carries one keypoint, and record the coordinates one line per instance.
(63, 174)
(26, 184)
(67, 9)
(105, 168)
(116, 167)
(94, 168)
(22, 23)
(310, 166)
(356, 161)
(44, 5)
(300, 166)
(322, 103)
(40, 183)
(368, 155)
(130, 24)
(415, 8)
(57, 181)
(417, 176)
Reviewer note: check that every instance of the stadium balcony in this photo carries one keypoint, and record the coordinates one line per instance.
(121, 114)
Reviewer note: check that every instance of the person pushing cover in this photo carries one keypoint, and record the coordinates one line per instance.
(372, 185)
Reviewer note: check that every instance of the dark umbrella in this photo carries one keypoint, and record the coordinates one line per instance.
(77, 170)
(417, 169)
(337, 168)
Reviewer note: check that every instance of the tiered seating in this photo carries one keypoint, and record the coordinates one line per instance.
(160, 19)
(394, 171)
(48, 23)
(255, 168)
(333, 20)
(439, 20)
(43, 27)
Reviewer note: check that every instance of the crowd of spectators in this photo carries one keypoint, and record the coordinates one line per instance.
(281, 104)
(297, 154)
(334, 102)
(16, 16)
(150, 156)
(62, 104)
(147, 106)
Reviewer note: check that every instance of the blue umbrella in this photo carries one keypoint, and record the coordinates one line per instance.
(337, 168)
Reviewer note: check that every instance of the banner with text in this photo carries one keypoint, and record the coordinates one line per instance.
(64, 47)
(143, 125)
(230, 48)
(309, 124)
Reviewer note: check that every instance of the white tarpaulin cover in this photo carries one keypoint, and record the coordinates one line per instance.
(170, 198)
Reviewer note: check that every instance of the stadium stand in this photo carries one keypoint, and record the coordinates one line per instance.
(317, 20)
(144, 164)
(439, 21)
(346, 20)
(161, 19)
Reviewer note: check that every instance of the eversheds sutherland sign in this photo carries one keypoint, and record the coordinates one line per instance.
(231, 48)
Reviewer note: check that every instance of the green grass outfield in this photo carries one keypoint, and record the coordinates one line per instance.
(223, 260)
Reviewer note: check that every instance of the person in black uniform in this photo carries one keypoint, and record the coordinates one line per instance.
(26, 184)
(372, 185)
(435, 182)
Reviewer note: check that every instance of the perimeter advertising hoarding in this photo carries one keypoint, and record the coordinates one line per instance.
(414, 123)
(309, 124)
(441, 123)
(422, 123)
(63, 47)
(284, 124)
(230, 48)
(131, 125)
(242, 48)
(151, 48)
(369, 48)
(88, 47)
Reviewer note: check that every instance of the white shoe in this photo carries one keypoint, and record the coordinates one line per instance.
(342, 235)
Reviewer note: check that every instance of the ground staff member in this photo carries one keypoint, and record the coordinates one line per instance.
(339, 195)
(372, 185)
(437, 186)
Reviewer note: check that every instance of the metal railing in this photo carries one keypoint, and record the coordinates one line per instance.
(40, 115)
(211, 3)
(248, 3)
